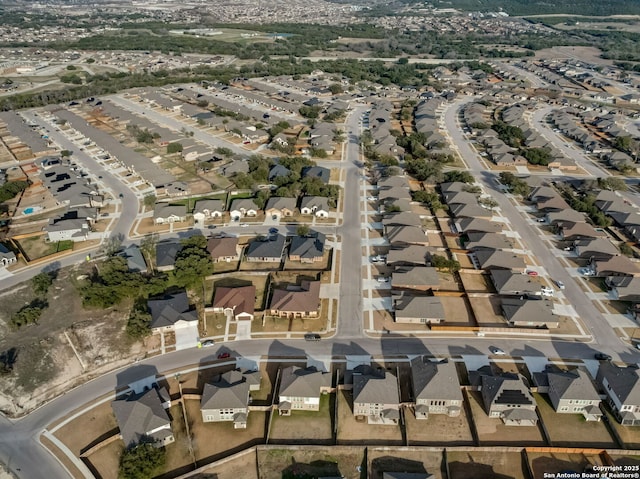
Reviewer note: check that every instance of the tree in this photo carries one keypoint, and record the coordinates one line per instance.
(612, 183)
(488, 202)
(148, 247)
(430, 198)
(138, 324)
(142, 461)
(65, 153)
(335, 88)
(149, 200)
(174, 148)
(41, 283)
(28, 314)
(458, 176)
(440, 262)
(302, 230)
(626, 250)
(193, 262)
(311, 112)
(623, 143)
(71, 67)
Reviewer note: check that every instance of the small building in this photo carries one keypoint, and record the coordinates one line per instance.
(7, 256)
(418, 309)
(307, 249)
(238, 301)
(266, 250)
(144, 415)
(436, 388)
(135, 259)
(419, 278)
(622, 388)
(206, 209)
(595, 249)
(278, 206)
(529, 313)
(496, 259)
(301, 389)
(406, 235)
(624, 288)
(243, 207)
(164, 213)
(507, 282)
(296, 301)
(166, 252)
(172, 312)
(615, 266)
(376, 396)
(223, 249)
(570, 392)
(315, 205)
(226, 399)
(506, 396)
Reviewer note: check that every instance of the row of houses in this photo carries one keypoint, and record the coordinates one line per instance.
(435, 389)
(318, 206)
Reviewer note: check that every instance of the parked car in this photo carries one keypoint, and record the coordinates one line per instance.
(312, 337)
(497, 351)
(383, 279)
(547, 291)
(224, 355)
(602, 357)
(531, 272)
(559, 284)
(273, 231)
(207, 343)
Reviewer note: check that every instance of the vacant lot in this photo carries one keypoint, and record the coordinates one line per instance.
(107, 459)
(448, 282)
(485, 465)
(89, 429)
(418, 461)
(438, 430)
(351, 431)
(305, 427)
(571, 430)
(242, 466)
(315, 461)
(492, 431)
(213, 440)
(37, 247)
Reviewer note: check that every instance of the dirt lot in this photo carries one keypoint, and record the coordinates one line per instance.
(457, 311)
(242, 466)
(107, 460)
(476, 283)
(380, 460)
(305, 427)
(448, 282)
(438, 430)
(46, 365)
(316, 461)
(36, 247)
(487, 312)
(571, 430)
(351, 431)
(213, 440)
(492, 431)
(485, 465)
(556, 462)
(630, 436)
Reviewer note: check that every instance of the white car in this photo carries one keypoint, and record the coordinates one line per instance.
(383, 279)
(559, 284)
(371, 198)
(497, 351)
(547, 291)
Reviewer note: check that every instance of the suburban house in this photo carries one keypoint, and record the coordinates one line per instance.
(205, 209)
(622, 387)
(7, 256)
(595, 249)
(401, 218)
(575, 231)
(223, 249)
(235, 301)
(166, 252)
(323, 174)
(307, 249)
(164, 213)
(172, 312)
(477, 225)
(506, 396)
(436, 388)
(507, 282)
(243, 207)
(478, 241)
(472, 210)
(376, 396)
(227, 399)
(558, 218)
(411, 255)
(280, 206)
(529, 313)
(570, 392)
(278, 171)
(497, 259)
(315, 205)
(406, 235)
(407, 475)
(615, 266)
(144, 415)
(266, 250)
(418, 309)
(135, 259)
(624, 288)
(300, 389)
(67, 229)
(296, 301)
(420, 278)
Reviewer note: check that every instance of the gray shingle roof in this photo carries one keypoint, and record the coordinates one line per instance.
(271, 248)
(230, 392)
(374, 389)
(139, 414)
(171, 309)
(435, 380)
(298, 382)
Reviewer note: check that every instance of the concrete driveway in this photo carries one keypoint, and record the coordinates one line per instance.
(187, 337)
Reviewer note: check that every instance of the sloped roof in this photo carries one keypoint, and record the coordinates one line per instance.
(506, 282)
(139, 414)
(171, 309)
(376, 389)
(624, 382)
(230, 392)
(166, 252)
(507, 388)
(303, 299)
(488, 241)
(209, 205)
(418, 306)
(240, 298)
(280, 203)
(491, 259)
(528, 310)
(574, 384)
(310, 246)
(298, 382)
(221, 247)
(435, 380)
(415, 276)
(270, 248)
